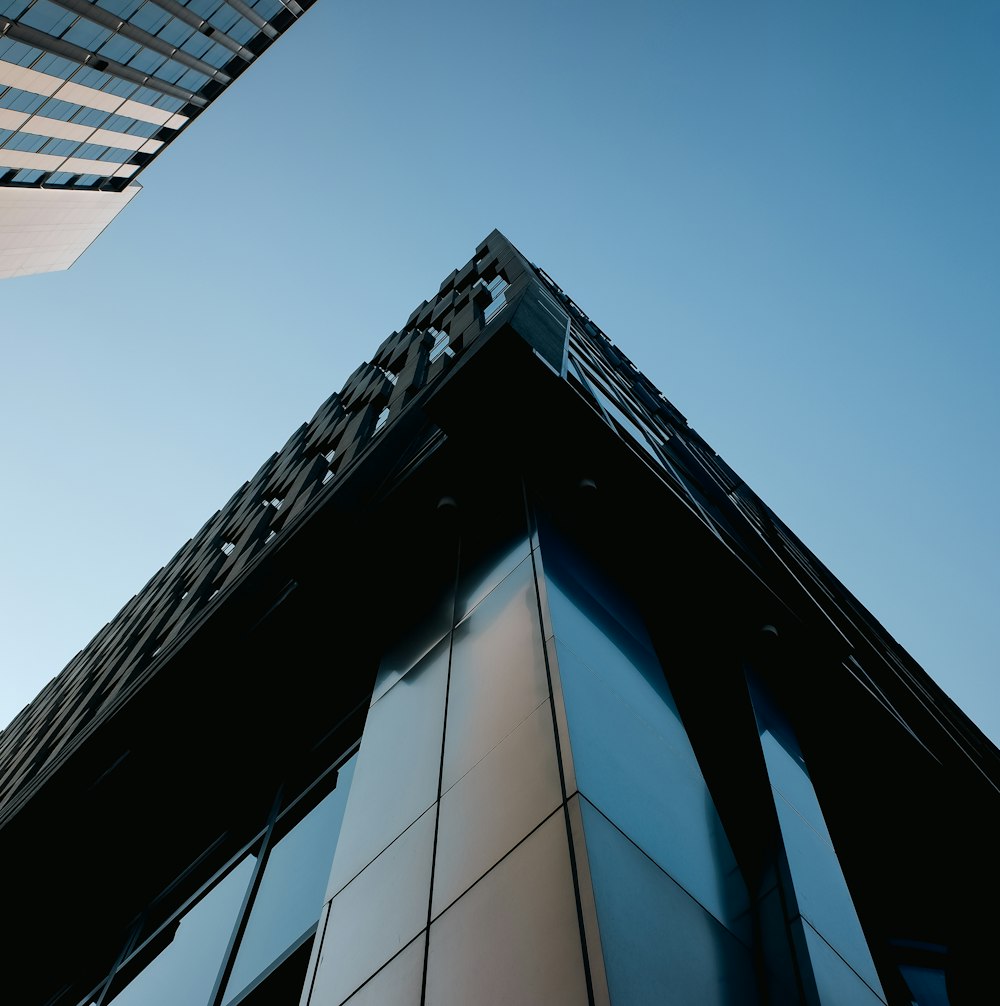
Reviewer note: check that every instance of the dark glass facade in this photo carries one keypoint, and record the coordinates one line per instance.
(494, 696)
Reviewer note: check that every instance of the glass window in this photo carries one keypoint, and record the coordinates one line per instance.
(147, 61)
(119, 48)
(196, 44)
(13, 8)
(192, 80)
(57, 66)
(55, 108)
(659, 945)
(90, 116)
(123, 8)
(150, 18)
(20, 101)
(47, 17)
(188, 953)
(18, 52)
(290, 897)
(87, 35)
(62, 148)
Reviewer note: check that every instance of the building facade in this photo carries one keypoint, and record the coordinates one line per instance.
(496, 685)
(91, 92)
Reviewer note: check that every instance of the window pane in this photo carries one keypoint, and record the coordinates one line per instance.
(291, 892)
(186, 969)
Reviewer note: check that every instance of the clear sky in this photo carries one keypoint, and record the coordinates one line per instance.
(786, 213)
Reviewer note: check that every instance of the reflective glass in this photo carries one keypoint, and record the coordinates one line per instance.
(184, 971)
(821, 891)
(836, 983)
(291, 892)
(927, 985)
(47, 17)
(820, 888)
(653, 794)
(785, 765)
(659, 945)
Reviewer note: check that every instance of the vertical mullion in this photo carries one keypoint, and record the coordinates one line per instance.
(229, 957)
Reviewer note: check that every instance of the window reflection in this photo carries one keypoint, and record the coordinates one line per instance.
(190, 951)
(290, 896)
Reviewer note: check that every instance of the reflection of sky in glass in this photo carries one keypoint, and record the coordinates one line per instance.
(820, 888)
(184, 972)
(291, 891)
(631, 752)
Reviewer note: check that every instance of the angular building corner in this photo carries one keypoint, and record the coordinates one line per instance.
(91, 92)
(496, 685)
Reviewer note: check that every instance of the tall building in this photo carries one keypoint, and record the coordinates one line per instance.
(496, 685)
(91, 92)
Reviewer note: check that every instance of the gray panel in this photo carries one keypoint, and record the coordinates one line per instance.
(514, 938)
(660, 945)
(396, 779)
(399, 983)
(652, 793)
(376, 915)
(498, 672)
(836, 983)
(491, 808)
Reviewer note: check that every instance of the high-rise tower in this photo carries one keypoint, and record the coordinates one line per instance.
(496, 685)
(91, 92)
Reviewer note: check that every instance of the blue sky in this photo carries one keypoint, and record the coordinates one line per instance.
(785, 213)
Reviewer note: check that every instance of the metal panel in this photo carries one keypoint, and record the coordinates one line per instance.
(498, 672)
(491, 808)
(376, 915)
(514, 937)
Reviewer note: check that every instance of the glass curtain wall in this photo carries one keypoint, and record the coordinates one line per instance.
(244, 935)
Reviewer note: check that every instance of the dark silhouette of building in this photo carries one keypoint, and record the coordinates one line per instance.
(496, 685)
(91, 91)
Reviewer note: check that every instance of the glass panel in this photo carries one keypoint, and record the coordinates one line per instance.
(184, 971)
(654, 796)
(630, 750)
(659, 945)
(821, 891)
(819, 886)
(927, 985)
(836, 983)
(291, 892)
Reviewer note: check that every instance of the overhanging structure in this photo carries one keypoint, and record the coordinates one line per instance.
(496, 685)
